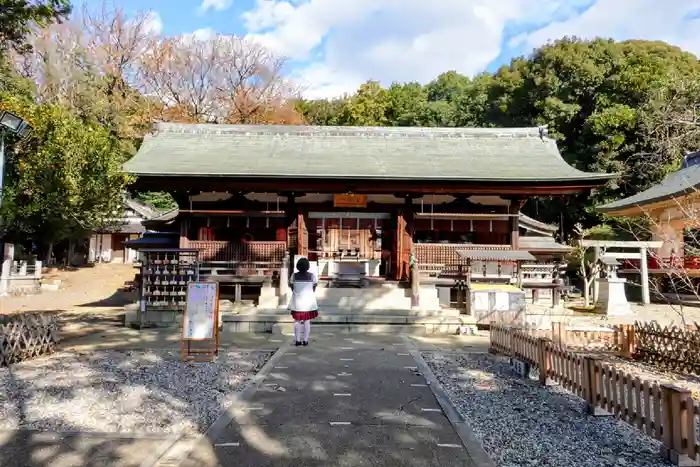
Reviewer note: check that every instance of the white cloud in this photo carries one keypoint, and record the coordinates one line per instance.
(153, 23)
(629, 19)
(217, 5)
(389, 40)
(202, 34)
(348, 42)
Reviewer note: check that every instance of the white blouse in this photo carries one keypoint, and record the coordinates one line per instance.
(303, 295)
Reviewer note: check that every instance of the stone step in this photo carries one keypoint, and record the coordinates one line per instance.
(352, 322)
(287, 329)
(283, 311)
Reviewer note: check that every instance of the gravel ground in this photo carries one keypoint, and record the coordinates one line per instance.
(122, 392)
(520, 423)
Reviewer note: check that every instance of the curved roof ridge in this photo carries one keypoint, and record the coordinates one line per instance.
(217, 129)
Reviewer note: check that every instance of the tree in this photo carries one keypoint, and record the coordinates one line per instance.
(368, 106)
(65, 179)
(589, 267)
(224, 79)
(17, 17)
(90, 64)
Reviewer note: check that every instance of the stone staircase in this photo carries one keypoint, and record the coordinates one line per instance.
(384, 308)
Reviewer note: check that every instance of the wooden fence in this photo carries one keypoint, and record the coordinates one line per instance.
(669, 347)
(26, 336)
(665, 412)
(616, 339)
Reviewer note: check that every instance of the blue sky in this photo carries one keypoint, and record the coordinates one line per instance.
(335, 45)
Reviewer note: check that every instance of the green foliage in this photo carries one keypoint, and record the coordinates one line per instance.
(628, 108)
(18, 16)
(158, 199)
(65, 179)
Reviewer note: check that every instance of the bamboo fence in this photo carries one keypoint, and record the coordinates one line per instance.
(26, 336)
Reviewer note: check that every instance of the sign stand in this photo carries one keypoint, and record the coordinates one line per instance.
(200, 323)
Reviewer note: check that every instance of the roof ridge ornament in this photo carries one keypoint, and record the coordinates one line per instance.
(544, 132)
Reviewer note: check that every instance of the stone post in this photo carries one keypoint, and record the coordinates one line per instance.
(8, 256)
(596, 285)
(37, 269)
(644, 272)
(284, 280)
(415, 284)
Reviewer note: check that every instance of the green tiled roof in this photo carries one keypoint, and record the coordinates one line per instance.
(269, 151)
(678, 183)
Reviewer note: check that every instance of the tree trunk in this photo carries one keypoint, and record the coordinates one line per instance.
(71, 252)
(49, 253)
(586, 293)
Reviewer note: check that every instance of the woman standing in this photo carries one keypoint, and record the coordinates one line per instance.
(303, 303)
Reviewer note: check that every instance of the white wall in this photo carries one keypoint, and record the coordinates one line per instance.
(669, 229)
(104, 250)
(100, 248)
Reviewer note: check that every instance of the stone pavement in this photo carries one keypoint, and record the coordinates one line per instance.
(346, 400)
(343, 401)
(28, 448)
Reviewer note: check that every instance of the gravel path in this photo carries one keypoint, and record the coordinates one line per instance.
(522, 424)
(122, 392)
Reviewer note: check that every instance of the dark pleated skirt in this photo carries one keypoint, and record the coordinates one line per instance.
(304, 315)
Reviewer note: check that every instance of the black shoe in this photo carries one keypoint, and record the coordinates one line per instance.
(297, 343)
(306, 343)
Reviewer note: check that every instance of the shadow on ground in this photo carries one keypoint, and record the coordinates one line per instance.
(286, 423)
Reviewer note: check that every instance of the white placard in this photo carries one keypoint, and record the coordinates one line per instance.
(481, 301)
(502, 301)
(313, 269)
(199, 320)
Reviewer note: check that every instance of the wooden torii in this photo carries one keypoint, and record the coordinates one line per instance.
(600, 248)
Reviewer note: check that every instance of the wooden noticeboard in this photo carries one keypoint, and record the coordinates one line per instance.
(200, 322)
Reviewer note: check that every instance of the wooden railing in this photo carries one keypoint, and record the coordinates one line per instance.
(238, 251)
(665, 412)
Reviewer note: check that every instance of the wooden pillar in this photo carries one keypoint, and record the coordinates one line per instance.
(182, 198)
(291, 218)
(514, 210)
(184, 227)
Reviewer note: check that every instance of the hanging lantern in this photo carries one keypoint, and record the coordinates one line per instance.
(247, 222)
(267, 216)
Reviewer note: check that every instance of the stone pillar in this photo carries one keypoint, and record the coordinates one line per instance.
(37, 269)
(596, 286)
(415, 283)
(8, 257)
(644, 272)
(284, 280)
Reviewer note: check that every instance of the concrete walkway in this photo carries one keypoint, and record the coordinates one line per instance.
(341, 402)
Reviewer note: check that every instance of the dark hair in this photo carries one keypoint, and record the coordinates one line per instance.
(303, 265)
